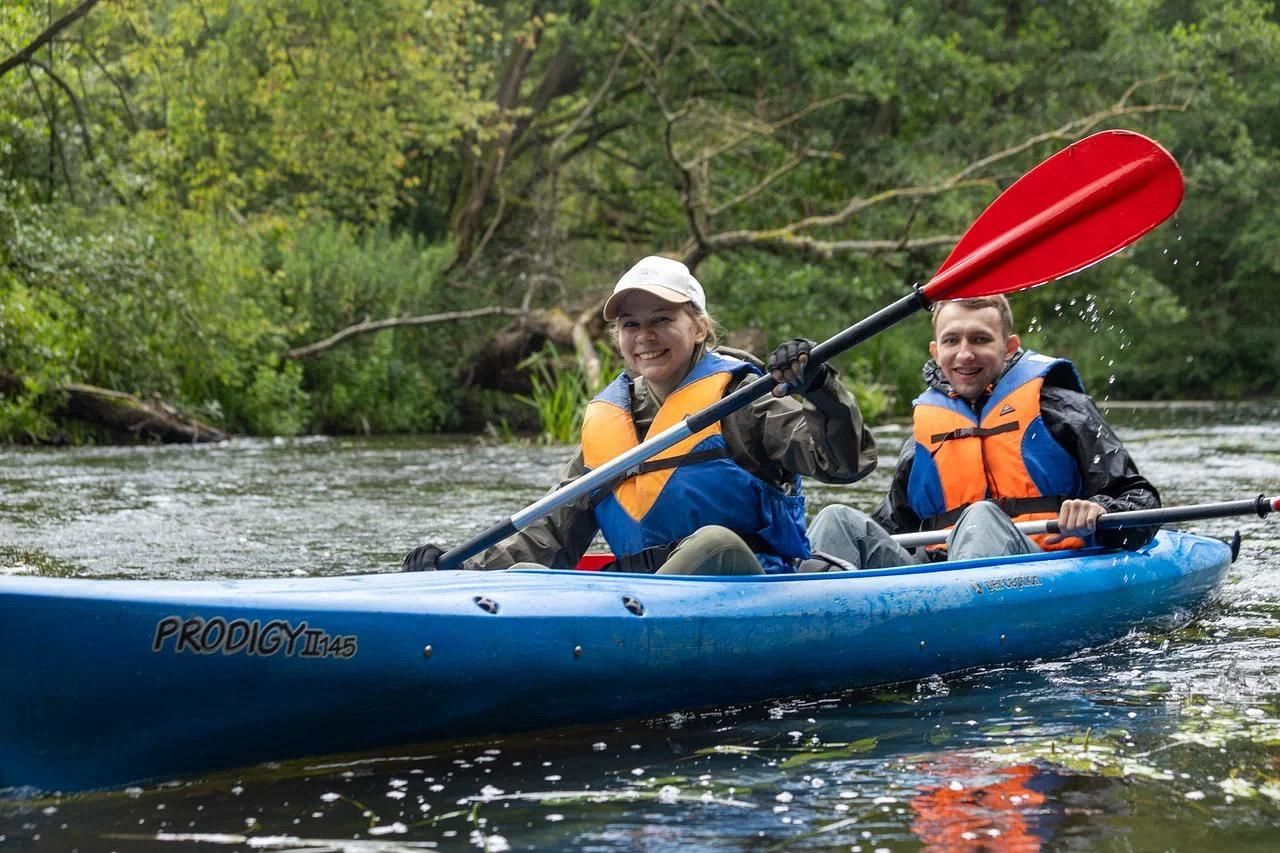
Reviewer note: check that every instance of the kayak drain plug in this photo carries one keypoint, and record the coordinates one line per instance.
(633, 604)
(488, 605)
(426, 651)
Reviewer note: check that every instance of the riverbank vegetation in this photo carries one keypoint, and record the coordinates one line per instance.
(294, 216)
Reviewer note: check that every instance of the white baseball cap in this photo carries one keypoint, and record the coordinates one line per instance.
(664, 278)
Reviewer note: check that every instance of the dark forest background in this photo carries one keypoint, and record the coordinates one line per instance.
(287, 216)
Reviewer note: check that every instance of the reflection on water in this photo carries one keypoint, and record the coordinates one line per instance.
(974, 806)
(1156, 742)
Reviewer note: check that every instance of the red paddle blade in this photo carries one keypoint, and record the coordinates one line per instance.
(1084, 203)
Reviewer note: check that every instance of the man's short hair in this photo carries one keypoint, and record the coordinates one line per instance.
(977, 303)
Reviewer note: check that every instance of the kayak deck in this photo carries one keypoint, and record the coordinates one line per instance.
(108, 682)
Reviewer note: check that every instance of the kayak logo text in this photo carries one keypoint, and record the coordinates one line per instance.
(1004, 583)
(250, 637)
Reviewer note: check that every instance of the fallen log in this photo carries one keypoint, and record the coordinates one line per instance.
(152, 419)
(495, 365)
(124, 414)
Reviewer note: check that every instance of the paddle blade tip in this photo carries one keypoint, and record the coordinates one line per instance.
(1078, 207)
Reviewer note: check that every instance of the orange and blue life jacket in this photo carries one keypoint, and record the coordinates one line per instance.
(1004, 453)
(692, 484)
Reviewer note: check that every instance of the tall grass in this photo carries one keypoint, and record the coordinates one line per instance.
(560, 390)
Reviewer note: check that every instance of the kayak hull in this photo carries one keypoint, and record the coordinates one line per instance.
(108, 682)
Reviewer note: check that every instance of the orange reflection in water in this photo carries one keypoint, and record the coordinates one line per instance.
(977, 808)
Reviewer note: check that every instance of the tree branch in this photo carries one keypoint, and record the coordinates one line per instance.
(585, 346)
(369, 326)
(784, 242)
(487, 168)
(82, 120)
(791, 237)
(1074, 129)
(25, 55)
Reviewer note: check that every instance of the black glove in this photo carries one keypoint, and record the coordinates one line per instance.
(785, 365)
(424, 558)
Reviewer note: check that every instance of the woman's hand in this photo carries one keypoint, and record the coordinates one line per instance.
(424, 558)
(789, 367)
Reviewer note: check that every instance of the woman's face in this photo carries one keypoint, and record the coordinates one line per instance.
(657, 339)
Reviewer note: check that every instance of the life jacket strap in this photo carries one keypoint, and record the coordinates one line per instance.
(1012, 507)
(972, 432)
(651, 465)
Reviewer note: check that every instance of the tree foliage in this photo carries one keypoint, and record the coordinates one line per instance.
(191, 188)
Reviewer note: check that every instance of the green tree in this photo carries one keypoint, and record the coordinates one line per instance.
(195, 188)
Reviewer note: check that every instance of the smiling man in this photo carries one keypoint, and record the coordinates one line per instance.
(1001, 434)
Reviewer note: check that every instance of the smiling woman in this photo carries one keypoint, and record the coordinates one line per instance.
(658, 339)
(725, 500)
(661, 319)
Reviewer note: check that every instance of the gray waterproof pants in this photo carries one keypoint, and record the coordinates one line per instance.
(983, 530)
(851, 535)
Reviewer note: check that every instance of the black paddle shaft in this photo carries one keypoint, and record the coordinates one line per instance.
(1261, 506)
(860, 331)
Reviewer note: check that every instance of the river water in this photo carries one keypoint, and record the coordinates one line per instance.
(1155, 742)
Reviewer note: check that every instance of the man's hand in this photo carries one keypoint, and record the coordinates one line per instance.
(788, 365)
(424, 558)
(1076, 518)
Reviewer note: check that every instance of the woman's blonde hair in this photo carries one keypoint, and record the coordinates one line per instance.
(714, 329)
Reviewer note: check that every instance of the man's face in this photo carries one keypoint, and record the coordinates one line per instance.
(971, 348)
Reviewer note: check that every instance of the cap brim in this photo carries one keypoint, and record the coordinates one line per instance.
(666, 294)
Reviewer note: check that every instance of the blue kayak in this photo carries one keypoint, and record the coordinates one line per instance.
(105, 682)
